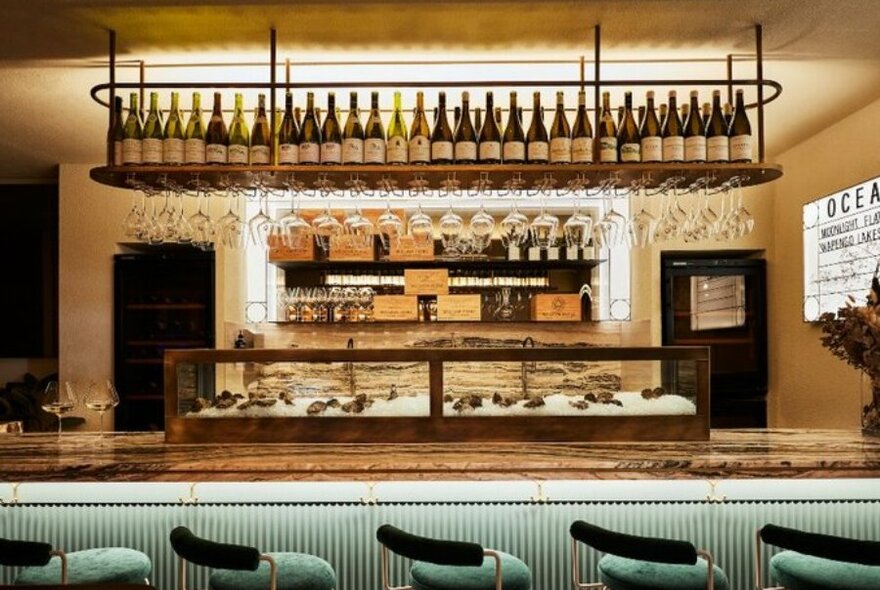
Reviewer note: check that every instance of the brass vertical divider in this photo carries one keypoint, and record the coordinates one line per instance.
(759, 51)
(597, 77)
(272, 65)
(142, 73)
(730, 78)
(112, 109)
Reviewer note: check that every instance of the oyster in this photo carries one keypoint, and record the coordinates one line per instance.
(393, 393)
(504, 402)
(579, 404)
(199, 404)
(463, 405)
(286, 397)
(536, 402)
(333, 403)
(245, 405)
(447, 398)
(315, 408)
(355, 406)
(224, 403)
(591, 397)
(265, 402)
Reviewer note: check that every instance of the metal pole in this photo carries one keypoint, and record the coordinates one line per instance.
(730, 78)
(759, 50)
(287, 75)
(142, 68)
(272, 55)
(583, 73)
(110, 154)
(597, 92)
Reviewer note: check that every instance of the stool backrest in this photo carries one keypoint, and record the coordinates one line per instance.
(826, 546)
(634, 547)
(214, 555)
(24, 553)
(431, 550)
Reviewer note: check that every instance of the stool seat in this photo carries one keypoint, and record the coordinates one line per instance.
(515, 575)
(296, 571)
(621, 573)
(797, 571)
(92, 566)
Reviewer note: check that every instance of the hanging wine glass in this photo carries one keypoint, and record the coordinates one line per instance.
(155, 231)
(297, 231)
(451, 228)
(613, 224)
(133, 223)
(641, 226)
(390, 225)
(200, 222)
(514, 229)
(360, 228)
(420, 227)
(325, 227)
(577, 229)
(543, 229)
(481, 227)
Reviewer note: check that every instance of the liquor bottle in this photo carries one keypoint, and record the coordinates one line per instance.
(216, 137)
(629, 140)
(442, 151)
(154, 132)
(560, 134)
(331, 134)
(652, 143)
(117, 132)
(490, 135)
(538, 146)
(582, 134)
(396, 149)
(310, 134)
(607, 134)
(694, 133)
(194, 138)
(717, 143)
(740, 132)
(239, 138)
(132, 144)
(514, 146)
(353, 135)
(261, 136)
(420, 134)
(465, 135)
(288, 135)
(173, 138)
(374, 134)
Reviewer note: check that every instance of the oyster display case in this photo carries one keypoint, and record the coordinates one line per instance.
(436, 395)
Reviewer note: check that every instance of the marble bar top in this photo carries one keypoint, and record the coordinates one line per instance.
(137, 457)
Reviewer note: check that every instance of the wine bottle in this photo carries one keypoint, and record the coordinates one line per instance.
(310, 134)
(396, 149)
(288, 135)
(717, 143)
(662, 113)
(514, 146)
(173, 138)
(116, 135)
(154, 132)
(465, 135)
(132, 141)
(331, 134)
(490, 135)
(420, 134)
(652, 143)
(478, 120)
(456, 117)
(239, 138)
(707, 112)
(727, 111)
(694, 133)
(261, 136)
(374, 134)
(628, 137)
(740, 132)
(621, 110)
(560, 134)
(607, 134)
(641, 120)
(582, 133)
(194, 138)
(353, 134)
(537, 146)
(216, 137)
(442, 151)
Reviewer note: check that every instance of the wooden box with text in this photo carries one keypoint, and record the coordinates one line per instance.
(279, 251)
(426, 281)
(556, 307)
(407, 248)
(459, 308)
(350, 248)
(395, 308)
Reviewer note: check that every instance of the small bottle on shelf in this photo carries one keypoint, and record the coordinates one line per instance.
(117, 133)
(537, 146)
(694, 133)
(607, 133)
(442, 151)
(560, 134)
(194, 138)
(261, 136)
(490, 136)
(628, 138)
(353, 135)
(420, 134)
(331, 135)
(173, 136)
(374, 134)
(465, 135)
(154, 133)
(740, 132)
(396, 147)
(216, 137)
(673, 138)
(652, 143)
(310, 134)
(239, 138)
(288, 135)
(582, 134)
(717, 142)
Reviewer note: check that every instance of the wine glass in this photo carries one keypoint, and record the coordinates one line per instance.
(359, 227)
(59, 400)
(420, 227)
(514, 228)
(390, 226)
(577, 229)
(451, 227)
(326, 226)
(101, 399)
(543, 229)
(481, 227)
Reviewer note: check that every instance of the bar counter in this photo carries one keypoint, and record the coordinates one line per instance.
(145, 457)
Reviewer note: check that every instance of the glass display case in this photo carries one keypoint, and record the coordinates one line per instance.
(437, 394)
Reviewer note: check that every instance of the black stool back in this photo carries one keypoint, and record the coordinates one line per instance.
(29, 554)
(203, 552)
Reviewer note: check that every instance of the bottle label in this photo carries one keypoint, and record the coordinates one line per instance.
(260, 154)
(288, 153)
(132, 151)
(695, 148)
(374, 151)
(717, 149)
(514, 151)
(466, 151)
(441, 150)
(582, 150)
(608, 149)
(117, 153)
(673, 149)
(216, 153)
(396, 150)
(630, 152)
(309, 153)
(237, 154)
(741, 148)
(152, 151)
(172, 151)
(353, 150)
(331, 153)
(539, 151)
(419, 149)
(560, 150)
(194, 151)
(490, 150)
(652, 149)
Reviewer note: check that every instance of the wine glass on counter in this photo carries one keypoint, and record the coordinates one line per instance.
(101, 399)
(59, 400)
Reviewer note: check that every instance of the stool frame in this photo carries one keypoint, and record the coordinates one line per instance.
(386, 577)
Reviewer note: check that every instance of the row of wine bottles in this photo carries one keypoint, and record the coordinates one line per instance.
(717, 134)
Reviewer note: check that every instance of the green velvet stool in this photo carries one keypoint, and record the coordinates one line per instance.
(819, 562)
(452, 565)
(645, 563)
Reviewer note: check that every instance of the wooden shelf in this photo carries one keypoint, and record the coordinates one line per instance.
(153, 306)
(484, 264)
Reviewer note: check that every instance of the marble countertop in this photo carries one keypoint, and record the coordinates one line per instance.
(728, 454)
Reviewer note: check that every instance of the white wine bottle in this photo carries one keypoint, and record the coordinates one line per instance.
(694, 133)
(353, 134)
(537, 146)
(629, 140)
(513, 148)
(310, 134)
(132, 141)
(396, 146)
(672, 133)
(116, 135)
(288, 135)
(717, 143)
(331, 134)
(420, 134)
(374, 134)
(652, 142)
(582, 134)
(194, 138)
(727, 111)
(707, 112)
(173, 142)
(560, 134)
(261, 136)
(442, 151)
(740, 132)
(490, 135)
(607, 134)
(154, 133)
(239, 138)
(465, 135)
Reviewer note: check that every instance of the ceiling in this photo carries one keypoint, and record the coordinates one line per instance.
(826, 53)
